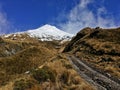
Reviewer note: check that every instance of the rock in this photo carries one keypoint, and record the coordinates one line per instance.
(27, 72)
(1, 40)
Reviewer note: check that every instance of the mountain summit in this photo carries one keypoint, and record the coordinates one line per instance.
(49, 33)
(44, 33)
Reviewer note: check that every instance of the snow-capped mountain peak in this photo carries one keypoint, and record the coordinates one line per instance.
(49, 33)
(44, 33)
(47, 26)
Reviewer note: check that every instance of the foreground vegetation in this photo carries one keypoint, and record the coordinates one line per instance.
(29, 64)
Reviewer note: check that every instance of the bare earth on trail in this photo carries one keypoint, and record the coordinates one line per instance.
(100, 81)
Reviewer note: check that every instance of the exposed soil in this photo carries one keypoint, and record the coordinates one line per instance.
(94, 77)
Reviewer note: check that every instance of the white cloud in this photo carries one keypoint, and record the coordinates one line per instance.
(82, 16)
(84, 3)
(5, 25)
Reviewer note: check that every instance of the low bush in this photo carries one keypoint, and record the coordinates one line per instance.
(65, 77)
(68, 66)
(23, 84)
(44, 74)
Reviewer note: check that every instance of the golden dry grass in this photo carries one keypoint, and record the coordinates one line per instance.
(33, 55)
(100, 47)
(65, 79)
(28, 55)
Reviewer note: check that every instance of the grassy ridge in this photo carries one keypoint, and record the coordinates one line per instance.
(100, 47)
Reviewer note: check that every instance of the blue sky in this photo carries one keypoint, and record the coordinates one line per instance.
(68, 15)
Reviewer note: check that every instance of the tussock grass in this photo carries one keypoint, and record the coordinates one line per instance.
(66, 78)
(22, 56)
(36, 65)
(53, 75)
(100, 47)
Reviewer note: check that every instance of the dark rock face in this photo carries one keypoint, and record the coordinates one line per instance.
(79, 35)
(69, 46)
(1, 40)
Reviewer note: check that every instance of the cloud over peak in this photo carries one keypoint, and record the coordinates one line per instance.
(82, 15)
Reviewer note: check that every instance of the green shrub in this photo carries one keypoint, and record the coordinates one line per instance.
(107, 59)
(68, 66)
(43, 74)
(65, 77)
(113, 52)
(107, 46)
(23, 84)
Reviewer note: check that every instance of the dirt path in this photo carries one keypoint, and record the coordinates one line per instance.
(95, 78)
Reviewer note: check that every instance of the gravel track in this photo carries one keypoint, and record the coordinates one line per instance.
(98, 80)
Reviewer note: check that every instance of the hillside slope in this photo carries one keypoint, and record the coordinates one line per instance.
(100, 48)
(17, 57)
(27, 63)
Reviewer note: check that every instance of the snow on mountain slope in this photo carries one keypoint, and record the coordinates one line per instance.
(49, 33)
(44, 33)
